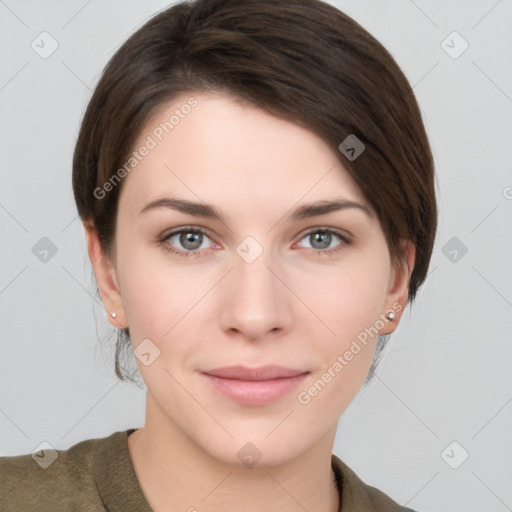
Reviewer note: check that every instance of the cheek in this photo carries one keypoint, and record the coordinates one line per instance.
(349, 304)
(149, 295)
(162, 299)
(165, 301)
(349, 298)
(158, 293)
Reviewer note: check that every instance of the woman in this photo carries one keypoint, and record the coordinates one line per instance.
(257, 191)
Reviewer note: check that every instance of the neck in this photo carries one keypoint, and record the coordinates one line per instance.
(175, 473)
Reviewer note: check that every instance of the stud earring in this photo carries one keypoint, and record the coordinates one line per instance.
(113, 314)
(390, 315)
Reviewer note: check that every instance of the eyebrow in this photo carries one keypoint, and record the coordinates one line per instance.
(209, 211)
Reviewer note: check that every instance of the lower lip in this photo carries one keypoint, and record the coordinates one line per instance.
(260, 392)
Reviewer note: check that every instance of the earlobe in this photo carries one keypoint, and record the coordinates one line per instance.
(106, 277)
(398, 290)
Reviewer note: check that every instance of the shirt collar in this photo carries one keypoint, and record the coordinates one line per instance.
(116, 478)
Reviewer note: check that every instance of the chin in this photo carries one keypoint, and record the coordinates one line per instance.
(255, 448)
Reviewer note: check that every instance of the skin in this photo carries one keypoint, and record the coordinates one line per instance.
(291, 306)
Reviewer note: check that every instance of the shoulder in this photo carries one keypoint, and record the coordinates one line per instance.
(54, 479)
(357, 496)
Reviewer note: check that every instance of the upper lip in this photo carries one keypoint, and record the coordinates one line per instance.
(259, 373)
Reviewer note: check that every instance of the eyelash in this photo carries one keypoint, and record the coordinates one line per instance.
(191, 229)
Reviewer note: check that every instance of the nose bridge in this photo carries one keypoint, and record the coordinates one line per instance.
(256, 303)
(254, 257)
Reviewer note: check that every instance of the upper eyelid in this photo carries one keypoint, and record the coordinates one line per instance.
(176, 231)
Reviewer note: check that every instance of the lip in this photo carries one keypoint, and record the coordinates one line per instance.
(254, 374)
(255, 386)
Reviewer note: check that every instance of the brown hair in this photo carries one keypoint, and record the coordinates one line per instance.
(303, 60)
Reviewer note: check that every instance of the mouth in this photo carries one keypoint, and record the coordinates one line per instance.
(255, 386)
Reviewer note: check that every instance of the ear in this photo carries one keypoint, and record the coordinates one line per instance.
(105, 273)
(398, 288)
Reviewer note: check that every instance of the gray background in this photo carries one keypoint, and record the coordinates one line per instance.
(446, 373)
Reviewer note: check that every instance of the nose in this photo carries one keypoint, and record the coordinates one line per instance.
(256, 301)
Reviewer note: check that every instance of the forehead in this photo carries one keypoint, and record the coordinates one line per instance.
(221, 150)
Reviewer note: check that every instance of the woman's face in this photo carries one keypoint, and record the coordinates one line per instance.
(261, 285)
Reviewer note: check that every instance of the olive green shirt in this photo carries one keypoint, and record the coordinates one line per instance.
(98, 475)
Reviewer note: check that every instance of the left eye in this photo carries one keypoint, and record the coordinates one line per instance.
(323, 239)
